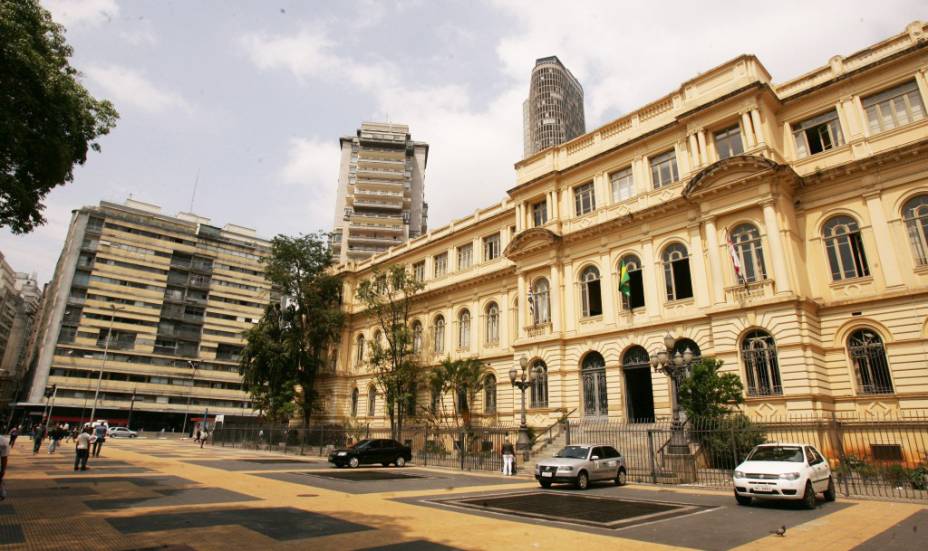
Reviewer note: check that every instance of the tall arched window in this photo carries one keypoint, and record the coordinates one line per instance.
(539, 302)
(378, 339)
(677, 278)
(759, 353)
(489, 394)
(595, 395)
(869, 358)
(845, 248)
(439, 335)
(540, 386)
(915, 214)
(632, 289)
(492, 328)
(416, 337)
(371, 401)
(464, 330)
(681, 346)
(746, 240)
(636, 368)
(590, 294)
(354, 402)
(359, 353)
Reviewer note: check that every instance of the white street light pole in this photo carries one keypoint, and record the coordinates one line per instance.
(106, 349)
(193, 382)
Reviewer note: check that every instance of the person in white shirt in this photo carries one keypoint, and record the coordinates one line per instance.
(82, 449)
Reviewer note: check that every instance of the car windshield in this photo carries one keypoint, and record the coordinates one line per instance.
(361, 444)
(573, 452)
(792, 454)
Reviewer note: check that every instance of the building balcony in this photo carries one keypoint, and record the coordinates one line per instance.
(754, 290)
(363, 202)
(381, 173)
(389, 218)
(354, 239)
(369, 226)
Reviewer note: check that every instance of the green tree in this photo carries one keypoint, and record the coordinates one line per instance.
(387, 297)
(464, 379)
(706, 393)
(292, 343)
(48, 120)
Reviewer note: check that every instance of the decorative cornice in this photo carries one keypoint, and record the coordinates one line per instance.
(530, 241)
(739, 163)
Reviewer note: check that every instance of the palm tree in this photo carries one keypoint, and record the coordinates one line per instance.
(465, 378)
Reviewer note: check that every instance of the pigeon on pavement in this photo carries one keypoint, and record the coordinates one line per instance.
(781, 531)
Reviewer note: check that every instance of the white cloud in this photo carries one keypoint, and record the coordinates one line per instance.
(312, 166)
(127, 87)
(139, 37)
(72, 13)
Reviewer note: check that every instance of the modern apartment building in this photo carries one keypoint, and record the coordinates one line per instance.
(381, 191)
(781, 227)
(19, 303)
(553, 112)
(157, 304)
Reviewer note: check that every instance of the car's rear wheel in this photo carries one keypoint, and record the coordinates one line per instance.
(400, 461)
(743, 500)
(354, 462)
(830, 494)
(583, 481)
(621, 478)
(808, 498)
(545, 483)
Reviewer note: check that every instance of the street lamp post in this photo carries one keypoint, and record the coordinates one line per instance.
(106, 349)
(522, 380)
(676, 367)
(193, 382)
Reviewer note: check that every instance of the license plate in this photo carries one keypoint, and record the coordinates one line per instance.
(547, 475)
(762, 489)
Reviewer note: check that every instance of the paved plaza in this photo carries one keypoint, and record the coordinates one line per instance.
(171, 494)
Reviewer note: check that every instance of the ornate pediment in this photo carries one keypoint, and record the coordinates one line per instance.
(529, 241)
(730, 171)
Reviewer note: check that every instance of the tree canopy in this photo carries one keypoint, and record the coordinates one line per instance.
(48, 120)
(706, 393)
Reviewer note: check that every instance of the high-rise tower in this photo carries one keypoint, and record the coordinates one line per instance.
(381, 191)
(553, 112)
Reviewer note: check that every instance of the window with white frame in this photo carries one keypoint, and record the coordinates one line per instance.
(438, 342)
(539, 392)
(491, 247)
(371, 401)
(677, 278)
(418, 271)
(632, 290)
(354, 403)
(464, 330)
(540, 213)
(915, 214)
(664, 169)
(492, 328)
(750, 251)
(761, 366)
(844, 248)
(818, 134)
(416, 337)
(728, 142)
(623, 185)
(465, 256)
(540, 302)
(359, 353)
(868, 355)
(441, 264)
(584, 199)
(590, 292)
(894, 107)
(489, 394)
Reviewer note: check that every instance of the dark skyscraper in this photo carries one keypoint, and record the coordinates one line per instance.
(553, 112)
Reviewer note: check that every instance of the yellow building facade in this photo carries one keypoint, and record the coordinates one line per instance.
(781, 227)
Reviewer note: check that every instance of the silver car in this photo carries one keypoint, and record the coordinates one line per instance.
(581, 464)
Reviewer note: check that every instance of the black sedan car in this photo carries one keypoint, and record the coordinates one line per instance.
(368, 452)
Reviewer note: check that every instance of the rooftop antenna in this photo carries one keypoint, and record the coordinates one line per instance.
(193, 195)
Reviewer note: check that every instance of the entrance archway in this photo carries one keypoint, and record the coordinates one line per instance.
(595, 395)
(636, 367)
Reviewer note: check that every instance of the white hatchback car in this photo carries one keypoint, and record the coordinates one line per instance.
(784, 471)
(121, 432)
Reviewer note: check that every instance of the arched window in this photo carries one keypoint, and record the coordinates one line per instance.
(378, 339)
(869, 358)
(354, 403)
(464, 330)
(746, 241)
(416, 337)
(845, 248)
(435, 402)
(540, 386)
(539, 302)
(631, 284)
(677, 279)
(492, 328)
(681, 346)
(636, 370)
(595, 395)
(915, 214)
(489, 394)
(759, 353)
(359, 353)
(371, 401)
(590, 295)
(439, 336)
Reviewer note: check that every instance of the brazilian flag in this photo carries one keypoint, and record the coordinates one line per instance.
(625, 280)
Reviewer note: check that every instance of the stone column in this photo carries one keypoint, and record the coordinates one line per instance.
(886, 253)
(698, 268)
(607, 290)
(555, 294)
(522, 309)
(758, 129)
(715, 261)
(650, 277)
(570, 314)
(694, 151)
(703, 154)
(747, 129)
(780, 274)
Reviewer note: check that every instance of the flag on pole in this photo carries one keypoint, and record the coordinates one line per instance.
(531, 303)
(735, 260)
(625, 281)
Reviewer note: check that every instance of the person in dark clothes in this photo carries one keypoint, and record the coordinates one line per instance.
(14, 432)
(509, 456)
(38, 433)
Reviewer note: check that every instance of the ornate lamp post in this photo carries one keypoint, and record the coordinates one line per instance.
(522, 380)
(676, 367)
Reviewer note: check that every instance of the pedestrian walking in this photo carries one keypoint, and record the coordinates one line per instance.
(4, 455)
(100, 433)
(203, 436)
(82, 450)
(54, 437)
(14, 432)
(509, 456)
(38, 433)
(197, 437)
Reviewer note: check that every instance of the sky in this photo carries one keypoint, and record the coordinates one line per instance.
(235, 107)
